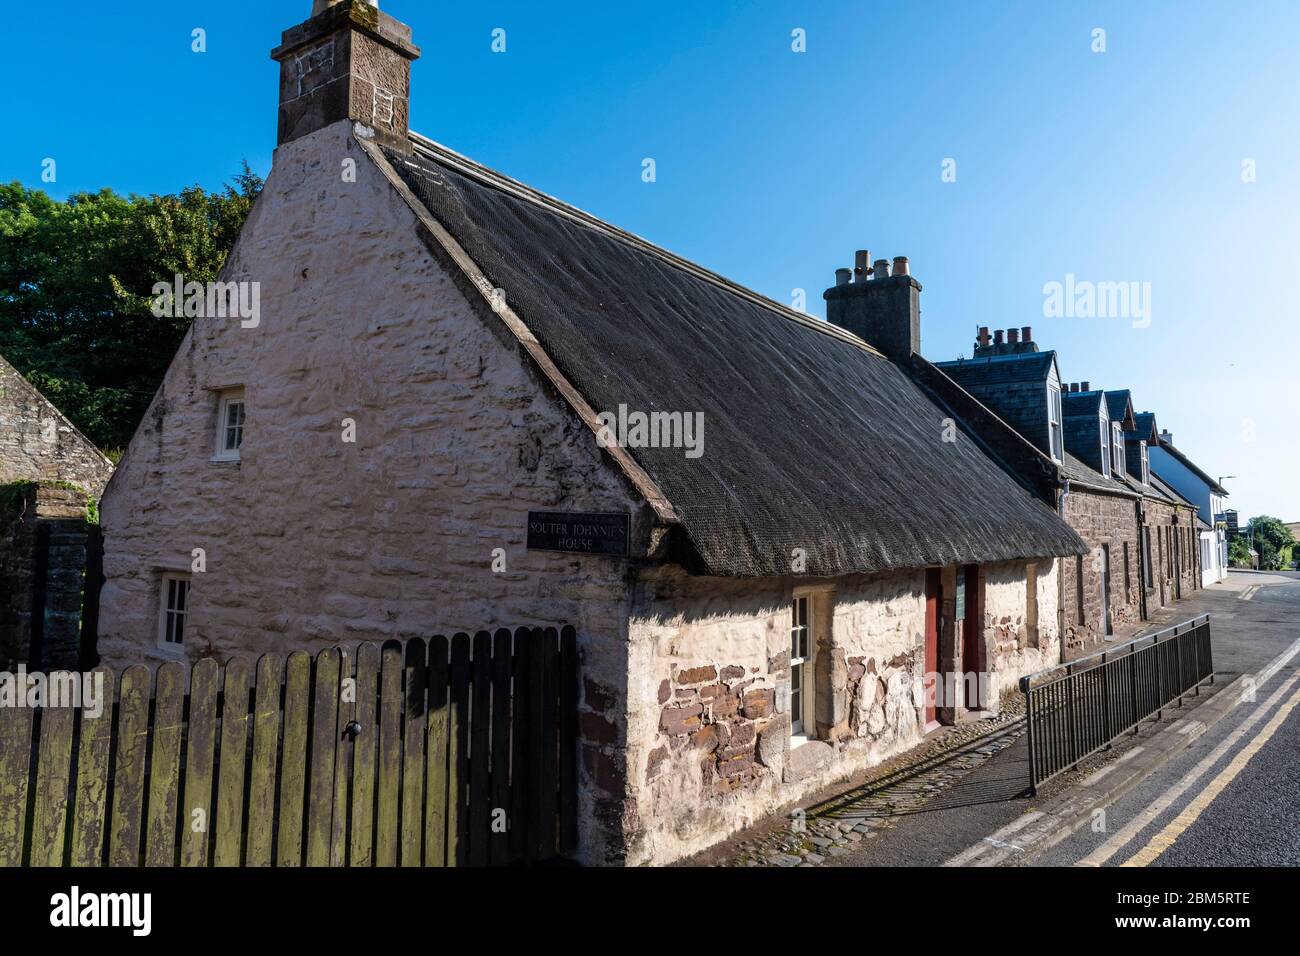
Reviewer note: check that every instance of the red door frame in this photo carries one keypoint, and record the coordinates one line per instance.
(933, 586)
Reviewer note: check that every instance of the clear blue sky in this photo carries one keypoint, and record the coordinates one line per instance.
(774, 166)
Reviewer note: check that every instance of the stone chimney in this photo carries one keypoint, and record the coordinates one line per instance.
(1166, 437)
(1005, 341)
(348, 62)
(882, 309)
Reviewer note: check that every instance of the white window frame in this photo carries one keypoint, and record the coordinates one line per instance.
(170, 610)
(1146, 464)
(1117, 464)
(1056, 436)
(803, 671)
(226, 400)
(1106, 457)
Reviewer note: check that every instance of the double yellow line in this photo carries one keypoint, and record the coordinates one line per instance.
(1166, 837)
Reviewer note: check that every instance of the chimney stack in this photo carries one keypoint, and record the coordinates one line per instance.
(348, 62)
(882, 309)
(1166, 437)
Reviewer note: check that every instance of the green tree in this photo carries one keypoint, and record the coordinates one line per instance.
(1272, 540)
(1239, 553)
(76, 281)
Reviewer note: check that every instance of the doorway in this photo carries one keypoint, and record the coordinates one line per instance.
(972, 639)
(1106, 622)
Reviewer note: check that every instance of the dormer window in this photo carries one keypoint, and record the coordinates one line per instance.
(1054, 422)
(1116, 448)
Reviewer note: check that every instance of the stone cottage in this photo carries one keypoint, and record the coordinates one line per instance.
(467, 404)
(48, 472)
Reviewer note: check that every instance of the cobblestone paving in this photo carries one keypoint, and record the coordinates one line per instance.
(830, 827)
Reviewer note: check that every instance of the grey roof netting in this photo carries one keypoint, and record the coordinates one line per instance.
(810, 441)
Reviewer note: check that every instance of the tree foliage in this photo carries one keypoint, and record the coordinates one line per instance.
(1272, 539)
(76, 280)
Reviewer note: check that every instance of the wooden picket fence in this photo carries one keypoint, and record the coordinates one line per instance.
(443, 752)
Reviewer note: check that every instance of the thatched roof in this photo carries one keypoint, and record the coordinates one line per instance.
(812, 440)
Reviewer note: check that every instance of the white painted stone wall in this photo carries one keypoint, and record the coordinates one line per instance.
(310, 541)
(1011, 649)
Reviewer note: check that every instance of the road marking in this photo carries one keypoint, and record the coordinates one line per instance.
(1167, 799)
(1166, 837)
(1249, 593)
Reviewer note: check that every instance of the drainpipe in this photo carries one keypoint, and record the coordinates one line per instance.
(1060, 575)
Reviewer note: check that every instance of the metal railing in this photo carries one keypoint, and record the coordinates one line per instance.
(1078, 708)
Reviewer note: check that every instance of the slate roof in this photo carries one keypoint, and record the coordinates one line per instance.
(1000, 369)
(1119, 404)
(812, 440)
(1078, 471)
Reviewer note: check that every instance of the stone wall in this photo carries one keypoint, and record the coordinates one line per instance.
(38, 444)
(709, 746)
(1101, 520)
(1176, 570)
(309, 541)
(62, 512)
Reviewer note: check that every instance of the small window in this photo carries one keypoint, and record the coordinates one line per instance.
(230, 425)
(803, 648)
(1146, 467)
(175, 605)
(1116, 448)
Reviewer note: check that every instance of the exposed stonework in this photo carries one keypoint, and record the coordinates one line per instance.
(1109, 521)
(37, 443)
(61, 513)
(710, 741)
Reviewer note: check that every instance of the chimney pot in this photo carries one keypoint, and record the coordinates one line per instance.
(901, 266)
(997, 336)
(1027, 333)
(862, 265)
(1013, 336)
(983, 339)
(886, 315)
(1086, 387)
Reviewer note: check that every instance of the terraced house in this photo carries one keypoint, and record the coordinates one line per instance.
(1140, 532)
(412, 441)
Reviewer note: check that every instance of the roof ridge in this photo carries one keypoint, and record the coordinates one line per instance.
(499, 180)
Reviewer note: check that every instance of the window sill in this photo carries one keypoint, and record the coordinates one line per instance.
(214, 460)
(798, 740)
(172, 652)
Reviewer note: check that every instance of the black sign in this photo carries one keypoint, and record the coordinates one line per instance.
(578, 532)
